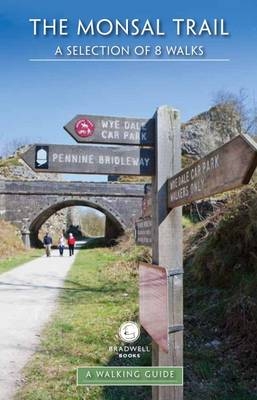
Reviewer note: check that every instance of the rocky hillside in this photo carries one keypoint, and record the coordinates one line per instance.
(13, 168)
(208, 130)
(202, 134)
(10, 240)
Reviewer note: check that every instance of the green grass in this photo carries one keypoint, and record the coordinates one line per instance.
(12, 262)
(100, 293)
(12, 161)
(222, 372)
(187, 222)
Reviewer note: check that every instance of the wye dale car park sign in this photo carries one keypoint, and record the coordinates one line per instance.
(112, 130)
(120, 145)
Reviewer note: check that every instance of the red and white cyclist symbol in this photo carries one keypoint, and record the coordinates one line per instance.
(84, 127)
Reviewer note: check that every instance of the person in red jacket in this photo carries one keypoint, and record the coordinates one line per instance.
(71, 244)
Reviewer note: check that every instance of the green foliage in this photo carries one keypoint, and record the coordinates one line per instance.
(187, 160)
(10, 241)
(93, 223)
(230, 252)
(134, 179)
(138, 254)
(9, 162)
(221, 303)
(187, 222)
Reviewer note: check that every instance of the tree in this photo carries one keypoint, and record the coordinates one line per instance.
(93, 222)
(9, 147)
(241, 106)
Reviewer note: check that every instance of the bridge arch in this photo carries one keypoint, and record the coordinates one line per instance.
(115, 225)
(28, 204)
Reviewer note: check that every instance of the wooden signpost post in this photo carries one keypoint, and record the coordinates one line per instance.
(167, 242)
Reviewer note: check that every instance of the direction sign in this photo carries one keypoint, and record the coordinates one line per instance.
(144, 231)
(153, 302)
(147, 201)
(226, 168)
(115, 160)
(111, 130)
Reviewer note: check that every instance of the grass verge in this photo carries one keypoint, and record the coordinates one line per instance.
(15, 261)
(218, 365)
(100, 293)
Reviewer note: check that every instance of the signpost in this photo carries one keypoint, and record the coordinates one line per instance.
(144, 231)
(167, 242)
(115, 160)
(111, 130)
(226, 168)
(147, 201)
(153, 286)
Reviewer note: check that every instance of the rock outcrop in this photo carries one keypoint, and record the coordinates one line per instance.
(209, 130)
(16, 169)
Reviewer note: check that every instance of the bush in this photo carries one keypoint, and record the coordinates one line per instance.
(10, 240)
(230, 251)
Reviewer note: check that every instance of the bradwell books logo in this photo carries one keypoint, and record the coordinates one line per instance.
(129, 331)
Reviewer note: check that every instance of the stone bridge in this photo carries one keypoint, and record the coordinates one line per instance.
(28, 204)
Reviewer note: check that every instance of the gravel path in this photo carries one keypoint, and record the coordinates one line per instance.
(27, 298)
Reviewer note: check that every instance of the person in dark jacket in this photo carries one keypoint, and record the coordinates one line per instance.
(47, 243)
(71, 243)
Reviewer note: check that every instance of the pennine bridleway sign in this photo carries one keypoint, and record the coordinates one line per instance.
(81, 159)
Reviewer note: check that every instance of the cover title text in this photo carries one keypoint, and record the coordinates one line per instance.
(128, 27)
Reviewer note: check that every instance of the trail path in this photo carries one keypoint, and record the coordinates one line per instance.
(27, 299)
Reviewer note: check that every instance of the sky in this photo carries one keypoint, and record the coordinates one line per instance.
(39, 97)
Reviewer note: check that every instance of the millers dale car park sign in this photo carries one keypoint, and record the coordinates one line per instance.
(226, 168)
